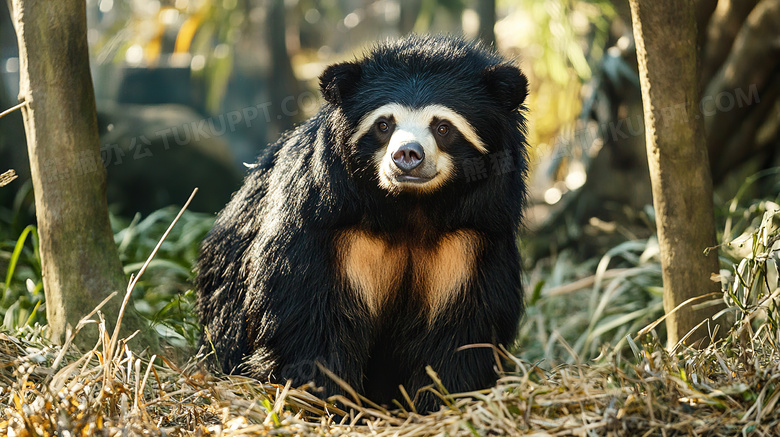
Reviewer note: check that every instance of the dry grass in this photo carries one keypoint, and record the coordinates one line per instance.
(49, 391)
(7, 177)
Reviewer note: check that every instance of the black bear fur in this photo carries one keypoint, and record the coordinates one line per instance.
(272, 294)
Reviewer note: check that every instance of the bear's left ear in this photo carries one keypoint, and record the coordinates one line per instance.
(338, 81)
(507, 84)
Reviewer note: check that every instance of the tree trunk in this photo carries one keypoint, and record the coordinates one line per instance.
(740, 95)
(486, 10)
(410, 10)
(79, 257)
(284, 87)
(726, 22)
(665, 33)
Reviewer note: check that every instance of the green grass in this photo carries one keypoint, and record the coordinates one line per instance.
(164, 294)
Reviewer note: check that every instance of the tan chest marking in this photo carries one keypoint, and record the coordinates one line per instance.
(371, 266)
(444, 270)
(375, 269)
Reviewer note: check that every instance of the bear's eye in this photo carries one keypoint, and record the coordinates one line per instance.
(383, 126)
(443, 129)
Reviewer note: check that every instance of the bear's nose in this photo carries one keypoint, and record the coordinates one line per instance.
(408, 156)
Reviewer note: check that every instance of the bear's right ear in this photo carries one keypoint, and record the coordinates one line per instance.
(507, 84)
(338, 81)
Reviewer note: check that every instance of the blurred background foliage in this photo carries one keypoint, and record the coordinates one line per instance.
(188, 90)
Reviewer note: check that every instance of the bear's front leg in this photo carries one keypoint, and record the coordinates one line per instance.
(458, 344)
(296, 333)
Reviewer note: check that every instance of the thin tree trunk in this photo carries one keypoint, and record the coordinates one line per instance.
(741, 89)
(486, 10)
(726, 22)
(665, 33)
(80, 261)
(410, 10)
(284, 86)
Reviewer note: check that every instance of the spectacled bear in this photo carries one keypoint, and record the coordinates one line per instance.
(380, 236)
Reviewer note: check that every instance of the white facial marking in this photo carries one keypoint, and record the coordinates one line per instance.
(414, 125)
(400, 112)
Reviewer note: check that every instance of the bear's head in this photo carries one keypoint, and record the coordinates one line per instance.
(415, 110)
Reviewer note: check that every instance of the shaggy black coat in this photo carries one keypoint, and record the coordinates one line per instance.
(271, 297)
